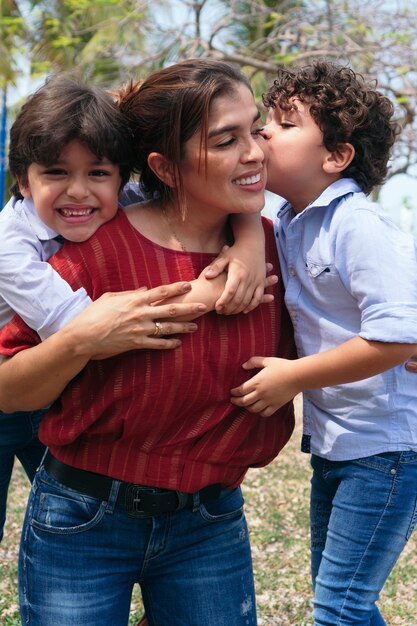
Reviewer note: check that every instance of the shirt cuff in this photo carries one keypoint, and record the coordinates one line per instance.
(64, 313)
(393, 323)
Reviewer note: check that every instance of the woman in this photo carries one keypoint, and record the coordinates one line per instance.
(146, 452)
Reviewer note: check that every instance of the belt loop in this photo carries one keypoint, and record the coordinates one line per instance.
(196, 501)
(111, 503)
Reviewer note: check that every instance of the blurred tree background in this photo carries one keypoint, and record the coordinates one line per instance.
(108, 41)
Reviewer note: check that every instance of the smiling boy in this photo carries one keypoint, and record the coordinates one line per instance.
(70, 154)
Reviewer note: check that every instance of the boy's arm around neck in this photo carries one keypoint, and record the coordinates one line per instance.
(28, 284)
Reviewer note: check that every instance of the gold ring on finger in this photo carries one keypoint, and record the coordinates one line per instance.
(158, 329)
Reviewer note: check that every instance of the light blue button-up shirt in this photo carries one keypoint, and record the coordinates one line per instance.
(28, 285)
(349, 271)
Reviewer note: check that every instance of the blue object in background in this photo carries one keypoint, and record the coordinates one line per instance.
(3, 134)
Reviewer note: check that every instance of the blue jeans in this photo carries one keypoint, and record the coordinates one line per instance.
(18, 437)
(362, 515)
(80, 558)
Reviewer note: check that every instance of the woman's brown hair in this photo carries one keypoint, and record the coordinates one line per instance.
(167, 109)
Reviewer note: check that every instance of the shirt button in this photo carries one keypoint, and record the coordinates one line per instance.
(393, 471)
(292, 271)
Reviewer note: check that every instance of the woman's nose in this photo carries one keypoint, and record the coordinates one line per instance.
(254, 150)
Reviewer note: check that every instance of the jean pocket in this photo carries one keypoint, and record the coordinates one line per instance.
(60, 510)
(229, 505)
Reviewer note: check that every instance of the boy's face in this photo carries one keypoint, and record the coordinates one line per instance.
(296, 155)
(75, 195)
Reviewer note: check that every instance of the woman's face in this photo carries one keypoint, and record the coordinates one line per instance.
(235, 176)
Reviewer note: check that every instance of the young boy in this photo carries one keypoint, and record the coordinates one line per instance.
(351, 291)
(65, 132)
(71, 154)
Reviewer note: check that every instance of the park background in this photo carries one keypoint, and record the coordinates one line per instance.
(106, 42)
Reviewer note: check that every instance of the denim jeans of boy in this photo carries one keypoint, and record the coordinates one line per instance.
(362, 515)
(80, 558)
(18, 438)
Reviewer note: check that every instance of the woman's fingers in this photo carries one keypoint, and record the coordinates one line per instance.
(156, 294)
(161, 329)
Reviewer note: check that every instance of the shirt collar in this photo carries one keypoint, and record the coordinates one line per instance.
(41, 230)
(333, 192)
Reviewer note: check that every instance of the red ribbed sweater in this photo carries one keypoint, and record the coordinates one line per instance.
(163, 418)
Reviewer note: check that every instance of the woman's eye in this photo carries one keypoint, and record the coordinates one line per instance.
(258, 131)
(226, 143)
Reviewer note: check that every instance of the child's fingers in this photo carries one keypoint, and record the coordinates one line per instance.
(257, 298)
(255, 362)
(271, 280)
(238, 301)
(256, 406)
(243, 389)
(217, 266)
(233, 290)
(244, 400)
(411, 365)
(267, 411)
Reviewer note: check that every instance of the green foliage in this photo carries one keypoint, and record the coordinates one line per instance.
(94, 38)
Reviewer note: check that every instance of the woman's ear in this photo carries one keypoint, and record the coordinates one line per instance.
(162, 168)
(339, 159)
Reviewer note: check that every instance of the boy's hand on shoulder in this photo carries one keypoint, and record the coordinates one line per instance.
(268, 390)
(245, 284)
(411, 364)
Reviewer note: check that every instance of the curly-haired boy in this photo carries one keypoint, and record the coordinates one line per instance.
(351, 290)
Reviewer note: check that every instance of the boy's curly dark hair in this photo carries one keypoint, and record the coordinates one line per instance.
(347, 110)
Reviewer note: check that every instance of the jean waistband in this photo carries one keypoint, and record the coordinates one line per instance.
(138, 500)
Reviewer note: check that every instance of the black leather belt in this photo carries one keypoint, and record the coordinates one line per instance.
(138, 500)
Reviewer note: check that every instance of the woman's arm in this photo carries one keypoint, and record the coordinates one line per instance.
(113, 324)
(208, 291)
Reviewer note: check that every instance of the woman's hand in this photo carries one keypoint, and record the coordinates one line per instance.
(113, 324)
(130, 320)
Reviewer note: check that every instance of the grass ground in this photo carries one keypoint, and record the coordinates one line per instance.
(277, 512)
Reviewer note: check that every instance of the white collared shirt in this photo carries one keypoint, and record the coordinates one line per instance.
(28, 285)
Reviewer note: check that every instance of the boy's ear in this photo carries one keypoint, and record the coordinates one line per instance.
(23, 187)
(162, 168)
(339, 159)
